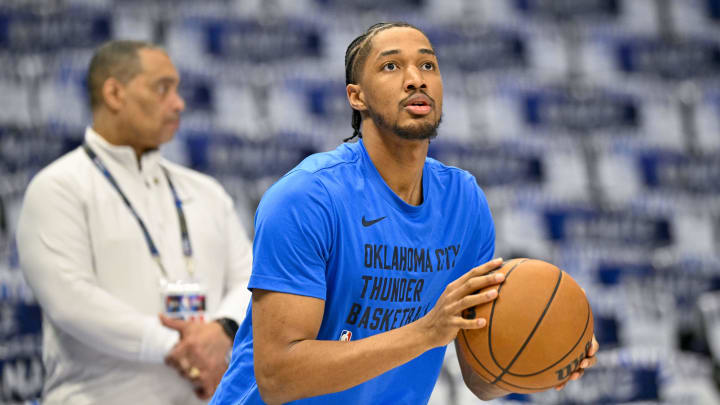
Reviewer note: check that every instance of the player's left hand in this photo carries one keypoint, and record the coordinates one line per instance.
(200, 355)
(587, 362)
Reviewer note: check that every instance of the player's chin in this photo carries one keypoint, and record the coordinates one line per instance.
(417, 131)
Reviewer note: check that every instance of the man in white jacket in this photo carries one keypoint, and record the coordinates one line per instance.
(111, 236)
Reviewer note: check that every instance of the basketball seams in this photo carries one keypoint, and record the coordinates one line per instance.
(537, 324)
(496, 377)
(492, 313)
(587, 323)
(466, 344)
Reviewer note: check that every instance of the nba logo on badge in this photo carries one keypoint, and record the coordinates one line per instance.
(345, 336)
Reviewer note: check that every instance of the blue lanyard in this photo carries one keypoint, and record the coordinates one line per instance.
(184, 234)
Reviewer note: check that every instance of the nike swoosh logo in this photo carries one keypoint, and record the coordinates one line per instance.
(374, 221)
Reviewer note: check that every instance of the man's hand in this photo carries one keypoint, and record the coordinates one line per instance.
(200, 354)
(445, 320)
(588, 362)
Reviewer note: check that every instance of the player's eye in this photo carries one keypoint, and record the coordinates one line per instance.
(428, 66)
(390, 67)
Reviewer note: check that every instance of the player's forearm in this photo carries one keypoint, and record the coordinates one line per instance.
(315, 367)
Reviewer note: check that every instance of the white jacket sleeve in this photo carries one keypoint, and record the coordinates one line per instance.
(56, 256)
(239, 250)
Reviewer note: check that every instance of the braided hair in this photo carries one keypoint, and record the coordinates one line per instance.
(355, 56)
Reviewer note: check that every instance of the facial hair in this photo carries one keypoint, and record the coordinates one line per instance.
(425, 130)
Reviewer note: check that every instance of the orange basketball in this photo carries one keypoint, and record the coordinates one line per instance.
(539, 329)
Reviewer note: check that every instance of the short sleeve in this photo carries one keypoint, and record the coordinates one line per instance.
(485, 230)
(293, 234)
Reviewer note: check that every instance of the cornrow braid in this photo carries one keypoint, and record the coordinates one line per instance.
(355, 56)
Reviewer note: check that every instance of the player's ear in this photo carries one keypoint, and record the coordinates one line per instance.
(356, 97)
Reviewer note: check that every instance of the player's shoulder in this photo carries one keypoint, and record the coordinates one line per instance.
(314, 180)
(451, 178)
(342, 159)
(322, 170)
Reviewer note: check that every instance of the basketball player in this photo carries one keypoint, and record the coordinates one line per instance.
(364, 257)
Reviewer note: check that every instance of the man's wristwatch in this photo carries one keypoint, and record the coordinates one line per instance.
(230, 327)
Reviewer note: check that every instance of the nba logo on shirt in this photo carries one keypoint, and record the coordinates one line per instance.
(345, 336)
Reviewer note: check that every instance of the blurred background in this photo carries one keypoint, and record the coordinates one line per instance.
(592, 125)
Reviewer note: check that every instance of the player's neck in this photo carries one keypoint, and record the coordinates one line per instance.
(400, 163)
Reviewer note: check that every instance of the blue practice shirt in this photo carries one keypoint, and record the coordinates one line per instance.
(332, 229)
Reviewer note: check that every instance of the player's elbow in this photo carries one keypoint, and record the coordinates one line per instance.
(271, 384)
(269, 391)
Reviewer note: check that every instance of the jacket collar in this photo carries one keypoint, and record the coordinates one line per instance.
(123, 155)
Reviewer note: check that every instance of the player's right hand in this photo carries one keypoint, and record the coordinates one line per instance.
(442, 324)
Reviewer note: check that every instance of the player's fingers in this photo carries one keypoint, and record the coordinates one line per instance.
(573, 376)
(594, 347)
(463, 323)
(472, 281)
(479, 270)
(588, 362)
(576, 375)
(472, 285)
(472, 300)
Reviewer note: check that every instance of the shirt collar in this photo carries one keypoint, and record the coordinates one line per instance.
(123, 155)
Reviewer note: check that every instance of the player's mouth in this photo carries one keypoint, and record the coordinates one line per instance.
(418, 104)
